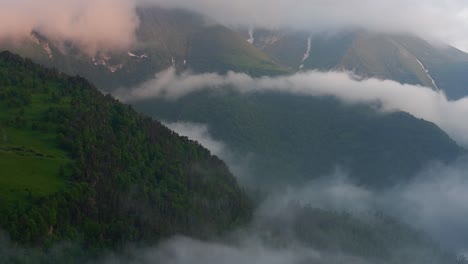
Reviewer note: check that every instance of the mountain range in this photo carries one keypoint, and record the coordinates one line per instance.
(101, 176)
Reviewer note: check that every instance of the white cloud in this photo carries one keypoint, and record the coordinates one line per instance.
(435, 201)
(240, 166)
(199, 133)
(442, 20)
(419, 101)
(91, 25)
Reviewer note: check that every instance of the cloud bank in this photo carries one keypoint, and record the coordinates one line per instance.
(240, 166)
(110, 24)
(199, 133)
(91, 25)
(445, 21)
(419, 101)
(435, 201)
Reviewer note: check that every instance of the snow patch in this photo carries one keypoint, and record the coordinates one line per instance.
(103, 61)
(428, 75)
(115, 68)
(143, 56)
(307, 53)
(251, 36)
(45, 46)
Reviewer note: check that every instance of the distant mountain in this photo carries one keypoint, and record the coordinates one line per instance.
(77, 165)
(186, 40)
(165, 38)
(403, 58)
(293, 139)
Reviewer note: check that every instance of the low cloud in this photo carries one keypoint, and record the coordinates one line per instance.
(200, 133)
(445, 21)
(434, 201)
(91, 25)
(183, 250)
(422, 102)
(437, 201)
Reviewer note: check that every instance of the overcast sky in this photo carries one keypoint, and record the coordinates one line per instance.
(110, 24)
(443, 20)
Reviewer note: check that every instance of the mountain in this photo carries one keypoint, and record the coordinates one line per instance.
(77, 165)
(188, 41)
(292, 139)
(403, 58)
(80, 167)
(165, 38)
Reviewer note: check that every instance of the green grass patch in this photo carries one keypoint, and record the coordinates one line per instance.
(26, 173)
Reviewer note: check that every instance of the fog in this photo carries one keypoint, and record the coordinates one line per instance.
(435, 200)
(110, 24)
(238, 165)
(183, 250)
(445, 21)
(422, 102)
(91, 25)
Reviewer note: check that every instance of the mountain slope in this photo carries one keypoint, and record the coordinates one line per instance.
(165, 38)
(293, 139)
(407, 59)
(80, 166)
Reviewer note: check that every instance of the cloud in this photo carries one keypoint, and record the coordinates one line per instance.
(91, 25)
(183, 250)
(199, 133)
(435, 201)
(419, 101)
(240, 166)
(445, 21)
(110, 24)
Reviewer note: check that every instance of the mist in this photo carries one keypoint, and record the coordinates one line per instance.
(435, 200)
(238, 165)
(389, 96)
(110, 24)
(445, 21)
(91, 25)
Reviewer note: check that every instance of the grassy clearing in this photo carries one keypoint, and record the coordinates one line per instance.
(31, 161)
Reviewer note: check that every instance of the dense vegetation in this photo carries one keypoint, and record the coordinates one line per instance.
(77, 165)
(292, 139)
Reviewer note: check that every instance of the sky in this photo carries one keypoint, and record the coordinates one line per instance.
(110, 24)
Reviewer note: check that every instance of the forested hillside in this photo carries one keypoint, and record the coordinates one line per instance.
(293, 139)
(77, 165)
